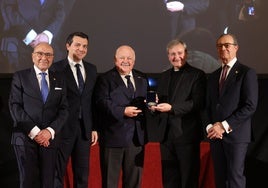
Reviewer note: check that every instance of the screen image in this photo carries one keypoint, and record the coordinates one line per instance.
(147, 26)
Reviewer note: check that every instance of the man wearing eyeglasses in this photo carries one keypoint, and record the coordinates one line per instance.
(232, 96)
(39, 108)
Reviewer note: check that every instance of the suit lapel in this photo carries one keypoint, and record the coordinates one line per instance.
(52, 83)
(138, 84)
(217, 79)
(118, 80)
(231, 77)
(88, 81)
(35, 84)
(71, 83)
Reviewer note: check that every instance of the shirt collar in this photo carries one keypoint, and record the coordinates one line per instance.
(231, 63)
(37, 70)
(130, 74)
(72, 63)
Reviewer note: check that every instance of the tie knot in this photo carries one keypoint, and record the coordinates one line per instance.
(225, 66)
(77, 65)
(130, 85)
(43, 74)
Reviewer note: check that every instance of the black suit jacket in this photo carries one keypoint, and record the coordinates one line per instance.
(22, 16)
(77, 100)
(111, 95)
(185, 20)
(28, 110)
(236, 103)
(183, 123)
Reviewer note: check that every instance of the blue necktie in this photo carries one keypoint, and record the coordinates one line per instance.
(42, 2)
(44, 86)
(80, 78)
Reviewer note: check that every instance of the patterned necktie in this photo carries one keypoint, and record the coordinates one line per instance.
(44, 86)
(80, 78)
(129, 85)
(223, 76)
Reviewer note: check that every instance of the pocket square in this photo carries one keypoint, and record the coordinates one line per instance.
(58, 88)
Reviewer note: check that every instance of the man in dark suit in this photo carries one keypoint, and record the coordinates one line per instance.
(77, 134)
(37, 122)
(181, 93)
(232, 98)
(27, 23)
(183, 14)
(119, 96)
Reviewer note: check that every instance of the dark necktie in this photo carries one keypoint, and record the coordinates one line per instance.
(223, 76)
(130, 85)
(80, 78)
(44, 86)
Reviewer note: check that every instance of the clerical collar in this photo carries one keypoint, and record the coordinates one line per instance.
(176, 69)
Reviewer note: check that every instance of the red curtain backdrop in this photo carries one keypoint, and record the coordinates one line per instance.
(152, 168)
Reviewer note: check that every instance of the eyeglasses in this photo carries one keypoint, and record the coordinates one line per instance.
(41, 54)
(226, 45)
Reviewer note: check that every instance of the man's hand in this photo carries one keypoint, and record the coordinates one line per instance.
(94, 137)
(216, 131)
(43, 137)
(175, 6)
(41, 37)
(132, 111)
(162, 107)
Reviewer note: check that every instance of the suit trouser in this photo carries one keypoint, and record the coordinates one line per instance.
(36, 166)
(78, 148)
(180, 164)
(131, 160)
(229, 162)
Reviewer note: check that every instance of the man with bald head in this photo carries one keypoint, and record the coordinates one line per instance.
(38, 106)
(121, 121)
